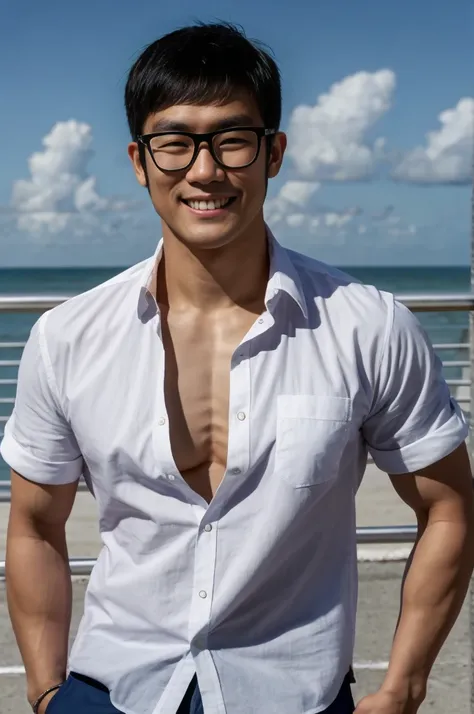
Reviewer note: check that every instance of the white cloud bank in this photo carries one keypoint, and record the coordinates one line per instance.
(448, 154)
(328, 141)
(290, 209)
(60, 191)
(292, 198)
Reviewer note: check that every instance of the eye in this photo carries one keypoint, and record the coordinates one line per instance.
(172, 145)
(234, 141)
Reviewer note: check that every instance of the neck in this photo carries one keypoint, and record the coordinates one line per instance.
(213, 279)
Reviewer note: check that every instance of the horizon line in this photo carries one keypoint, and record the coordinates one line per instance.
(126, 267)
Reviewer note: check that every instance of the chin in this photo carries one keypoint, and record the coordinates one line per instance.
(207, 237)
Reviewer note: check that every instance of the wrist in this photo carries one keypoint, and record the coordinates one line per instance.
(35, 690)
(406, 689)
(41, 702)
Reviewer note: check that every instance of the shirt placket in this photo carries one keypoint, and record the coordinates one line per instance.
(237, 463)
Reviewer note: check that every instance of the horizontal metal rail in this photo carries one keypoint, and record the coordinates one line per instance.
(6, 487)
(418, 302)
(31, 303)
(449, 364)
(438, 302)
(443, 346)
(373, 535)
(438, 346)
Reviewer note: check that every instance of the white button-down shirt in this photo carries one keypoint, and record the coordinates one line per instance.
(255, 591)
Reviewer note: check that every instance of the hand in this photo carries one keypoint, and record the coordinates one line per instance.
(383, 702)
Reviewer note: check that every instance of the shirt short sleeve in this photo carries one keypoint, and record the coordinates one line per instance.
(413, 421)
(38, 442)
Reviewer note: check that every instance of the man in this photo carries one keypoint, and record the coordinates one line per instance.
(220, 400)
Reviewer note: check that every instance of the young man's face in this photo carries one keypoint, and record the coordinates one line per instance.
(237, 193)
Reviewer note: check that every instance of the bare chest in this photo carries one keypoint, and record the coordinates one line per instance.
(198, 354)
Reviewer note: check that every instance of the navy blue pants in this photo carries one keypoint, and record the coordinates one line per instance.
(82, 695)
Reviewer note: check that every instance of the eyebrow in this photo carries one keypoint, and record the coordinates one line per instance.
(227, 123)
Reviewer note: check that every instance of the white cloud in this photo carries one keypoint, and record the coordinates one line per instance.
(296, 220)
(298, 192)
(387, 223)
(328, 141)
(291, 199)
(337, 220)
(290, 212)
(60, 192)
(448, 153)
(398, 231)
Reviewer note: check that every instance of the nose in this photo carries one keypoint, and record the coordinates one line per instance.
(204, 169)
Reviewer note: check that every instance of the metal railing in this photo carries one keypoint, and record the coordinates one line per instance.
(373, 535)
(415, 302)
(418, 302)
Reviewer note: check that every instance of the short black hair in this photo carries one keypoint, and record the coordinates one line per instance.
(202, 64)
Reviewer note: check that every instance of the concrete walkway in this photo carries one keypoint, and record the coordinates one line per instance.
(379, 593)
(377, 505)
(449, 687)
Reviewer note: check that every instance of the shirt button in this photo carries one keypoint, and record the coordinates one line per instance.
(241, 416)
(171, 477)
(208, 528)
(203, 594)
(236, 470)
(162, 421)
(260, 321)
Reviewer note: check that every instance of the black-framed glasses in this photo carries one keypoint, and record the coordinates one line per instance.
(230, 148)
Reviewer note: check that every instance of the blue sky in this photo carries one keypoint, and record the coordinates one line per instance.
(362, 182)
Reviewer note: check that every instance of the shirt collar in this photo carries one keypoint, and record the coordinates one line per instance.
(283, 277)
(147, 305)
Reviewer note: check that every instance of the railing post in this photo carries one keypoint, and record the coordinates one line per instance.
(471, 450)
(471, 435)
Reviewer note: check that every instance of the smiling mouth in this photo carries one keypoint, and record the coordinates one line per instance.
(209, 205)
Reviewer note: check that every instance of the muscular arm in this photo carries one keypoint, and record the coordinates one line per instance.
(38, 579)
(438, 575)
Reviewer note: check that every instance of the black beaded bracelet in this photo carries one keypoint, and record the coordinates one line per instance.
(36, 704)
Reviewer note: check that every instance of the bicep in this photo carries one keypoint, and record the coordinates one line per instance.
(444, 489)
(40, 504)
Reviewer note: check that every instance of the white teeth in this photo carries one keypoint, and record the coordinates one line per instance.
(208, 205)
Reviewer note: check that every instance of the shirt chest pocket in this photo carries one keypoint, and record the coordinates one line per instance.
(312, 432)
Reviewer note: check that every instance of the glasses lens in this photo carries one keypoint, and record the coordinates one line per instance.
(236, 148)
(172, 151)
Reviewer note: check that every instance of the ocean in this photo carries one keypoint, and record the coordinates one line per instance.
(441, 327)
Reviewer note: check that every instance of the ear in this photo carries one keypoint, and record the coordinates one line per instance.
(134, 156)
(277, 151)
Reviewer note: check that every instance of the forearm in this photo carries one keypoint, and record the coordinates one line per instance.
(39, 599)
(433, 592)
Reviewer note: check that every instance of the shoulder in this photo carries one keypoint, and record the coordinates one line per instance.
(96, 309)
(341, 295)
